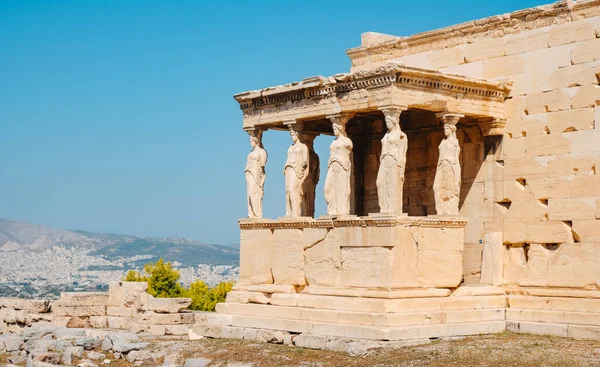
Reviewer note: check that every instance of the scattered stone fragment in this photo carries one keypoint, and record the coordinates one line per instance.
(197, 362)
(95, 355)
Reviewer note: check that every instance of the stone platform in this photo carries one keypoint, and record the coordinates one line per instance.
(378, 319)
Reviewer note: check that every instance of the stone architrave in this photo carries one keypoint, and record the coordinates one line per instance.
(339, 168)
(446, 185)
(310, 184)
(255, 174)
(390, 177)
(295, 172)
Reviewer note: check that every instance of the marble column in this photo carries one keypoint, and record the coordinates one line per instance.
(255, 174)
(390, 176)
(446, 185)
(338, 187)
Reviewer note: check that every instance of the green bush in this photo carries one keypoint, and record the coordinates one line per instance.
(163, 282)
(205, 298)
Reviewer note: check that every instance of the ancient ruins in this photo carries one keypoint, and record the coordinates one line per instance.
(462, 191)
(462, 188)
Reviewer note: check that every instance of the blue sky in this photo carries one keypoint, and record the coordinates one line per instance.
(118, 116)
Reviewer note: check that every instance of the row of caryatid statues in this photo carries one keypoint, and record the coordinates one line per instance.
(301, 170)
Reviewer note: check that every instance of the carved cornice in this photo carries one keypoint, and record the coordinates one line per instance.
(491, 27)
(392, 73)
(350, 221)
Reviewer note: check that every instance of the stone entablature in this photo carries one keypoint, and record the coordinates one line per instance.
(465, 33)
(352, 221)
(392, 84)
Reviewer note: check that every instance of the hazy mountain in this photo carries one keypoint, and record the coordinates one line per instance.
(37, 260)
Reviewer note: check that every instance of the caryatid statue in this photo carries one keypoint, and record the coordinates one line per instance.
(310, 184)
(339, 169)
(295, 172)
(255, 174)
(446, 186)
(390, 177)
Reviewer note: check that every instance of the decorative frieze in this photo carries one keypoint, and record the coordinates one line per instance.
(353, 221)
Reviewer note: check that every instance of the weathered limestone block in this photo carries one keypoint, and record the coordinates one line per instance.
(584, 141)
(526, 41)
(34, 318)
(572, 265)
(134, 294)
(571, 120)
(537, 146)
(177, 329)
(265, 288)
(29, 305)
(572, 76)
(492, 264)
(577, 31)
(157, 330)
(121, 323)
(587, 51)
(585, 186)
(588, 231)
(255, 256)
(72, 299)
(503, 67)
(80, 311)
(524, 167)
(572, 209)
(586, 96)
(199, 331)
(168, 305)
(472, 69)
(443, 239)
(570, 164)
(440, 268)
(366, 266)
(446, 57)
(549, 187)
(121, 311)
(323, 260)
(405, 259)
(552, 231)
(99, 322)
(526, 265)
(484, 49)
(556, 100)
(115, 294)
(151, 318)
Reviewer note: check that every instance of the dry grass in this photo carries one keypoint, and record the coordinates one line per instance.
(500, 350)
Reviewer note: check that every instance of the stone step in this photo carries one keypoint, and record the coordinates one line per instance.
(388, 305)
(555, 329)
(343, 331)
(554, 303)
(550, 316)
(363, 318)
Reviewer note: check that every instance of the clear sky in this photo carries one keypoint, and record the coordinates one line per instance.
(118, 116)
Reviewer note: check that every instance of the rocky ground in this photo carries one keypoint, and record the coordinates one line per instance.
(46, 346)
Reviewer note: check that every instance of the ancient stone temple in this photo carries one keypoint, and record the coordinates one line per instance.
(462, 188)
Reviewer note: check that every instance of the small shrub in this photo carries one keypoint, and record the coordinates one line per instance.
(205, 298)
(163, 282)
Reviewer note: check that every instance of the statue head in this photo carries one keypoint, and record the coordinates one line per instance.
(449, 129)
(255, 137)
(338, 129)
(294, 135)
(391, 122)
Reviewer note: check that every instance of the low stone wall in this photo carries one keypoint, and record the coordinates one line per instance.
(126, 306)
(16, 314)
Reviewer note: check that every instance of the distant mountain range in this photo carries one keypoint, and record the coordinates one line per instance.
(40, 262)
(22, 236)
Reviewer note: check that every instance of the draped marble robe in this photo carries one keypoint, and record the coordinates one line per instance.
(295, 172)
(339, 173)
(390, 177)
(255, 177)
(446, 185)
